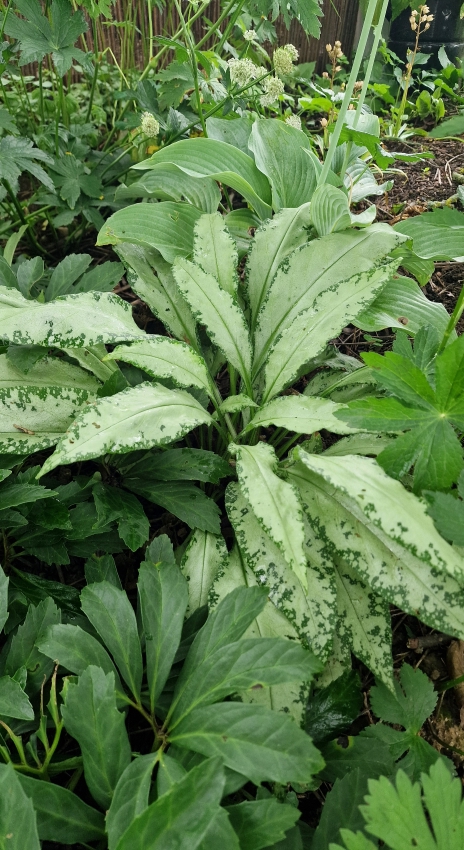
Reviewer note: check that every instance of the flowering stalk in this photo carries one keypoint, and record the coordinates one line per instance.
(420, 22)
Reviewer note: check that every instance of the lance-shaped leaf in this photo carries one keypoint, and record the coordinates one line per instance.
(130, 797)
(13, 701)
(336, 265)
(218, 311)
(274, 241)
(75, 649)
(210, 158)
(71, 321)
(438, 235)
(261, 744)
(302, 414)
(205, 555)
(402, 304)
(102, 737)
(382, 531)
(138, 418)
(169, 183)
(215, 251)
(61, 815)
(23, 651)
(166, 358)
(284, 154)
(159, 290)
(426, 414)
(182, 815)
(49, 372)
(312, 330)
(17, 816)
(312, 613)
(261, 823)
(179, 465)
(274, 502)
(113, 617)
(163, 597)
(166, 226)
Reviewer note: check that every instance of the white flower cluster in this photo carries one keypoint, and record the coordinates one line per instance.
(242, 71)
(283, 59)
(250, 35)
(420, 17)
(293, 121)
(272, 88)
(149, 125)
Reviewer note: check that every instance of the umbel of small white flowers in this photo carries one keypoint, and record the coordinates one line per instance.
(149, 125)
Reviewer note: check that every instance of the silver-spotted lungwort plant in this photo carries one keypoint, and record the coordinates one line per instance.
(329, 533)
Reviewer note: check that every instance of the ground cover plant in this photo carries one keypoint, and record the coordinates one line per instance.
(222, 688)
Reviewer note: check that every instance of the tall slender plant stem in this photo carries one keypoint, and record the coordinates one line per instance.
(193, 62)
(219, 21)
(370, 13)
(454, 319)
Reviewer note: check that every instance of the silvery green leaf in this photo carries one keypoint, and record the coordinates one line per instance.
(382, 531)
(50, 372)
(311, 614)
(203, 559)
(302, 414)
(330, 210)
(218, 311)
(334, 266)
(70, 321)
(166, 358)
(166, 226)
(274, 502)
(159, 290)
(137, 418)
(311, 330)
(215, 251)
(236, 403)
(273, 243)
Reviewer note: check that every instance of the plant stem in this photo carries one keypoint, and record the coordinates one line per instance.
(95, 73)
(219, 21)
(193, 63)
(370, 13)
(454, 319)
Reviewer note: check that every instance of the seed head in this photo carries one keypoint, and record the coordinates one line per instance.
(273, 88)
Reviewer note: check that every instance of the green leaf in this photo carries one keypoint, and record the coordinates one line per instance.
(71, 321)
(215, 252)
(50, 372)
(139, 417)
(350, 753)
(102, 737)
(447, 513)
(130, 797)
(13, 701)
(66, 273)
(61, 815)
(284, 155)
(163, 596)
(274, 241)
(331, 710)
(412, 702)
(341, 807)
(166, 226)
(183, 814)
(113, 617)
(113, 503)
(182, 499)
(202, 157)
(330, 210)
(218, 311)
(180, 465)
(168, 359)
(376, 526)
(102, 568)
(402, 304)
(18, 825)
(23, 651)
(436, 235)
(302, 414)
(313, 613)
(203, 558)
(274, 502)
(18, 155)
(75, 649)
(451, 127)
(4, 581)
(262, 744)
(260, 823)
(220, 834)
(169, 183)
(38, 35)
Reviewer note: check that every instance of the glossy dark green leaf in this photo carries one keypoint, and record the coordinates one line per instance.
(130, 797)
(18, 824)
(113, 617)
(160, 551)
(163, 595)
(23, 651)
(91, 717)
(255, 741)
(49, 514)
(114, 504)
(75, 649)
(14, 494)
(13, 701)
(181, 465)
(261, 823)
(331, 710)
(181, 817)
(341, 808)
(61, 815)
(447, 513)
(347, 753)
(182, 499)
(102, 568)
(254, 663)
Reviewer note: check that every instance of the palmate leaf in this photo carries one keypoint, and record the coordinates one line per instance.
(411, 703)
(215, 251)
(447, 512)
(308, 13)
(140, 417)
(18, 155)
(381, 530)
(166, 226)
(204, 557)
(166, 358)
(274, 502)
(39, 36)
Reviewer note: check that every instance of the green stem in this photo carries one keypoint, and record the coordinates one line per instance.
(219, 21)
(95, 73)
(193, 62)
(454, 319)
(370, 12)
